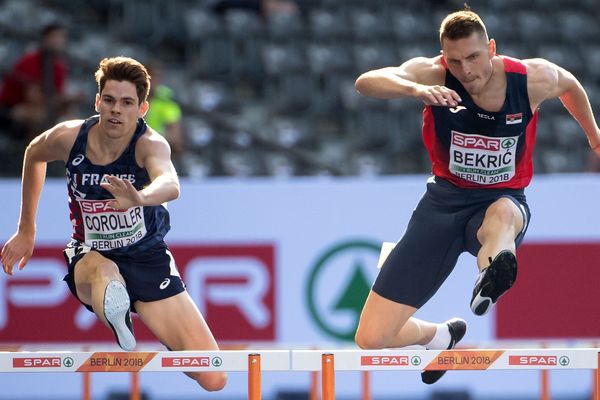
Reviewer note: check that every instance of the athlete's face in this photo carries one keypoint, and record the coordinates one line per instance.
(470, 60)
(119, 108)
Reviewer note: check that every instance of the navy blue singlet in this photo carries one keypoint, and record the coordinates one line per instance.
(96, 224)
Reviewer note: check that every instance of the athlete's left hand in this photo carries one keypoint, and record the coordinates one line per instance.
(125, 194)
(18, 249)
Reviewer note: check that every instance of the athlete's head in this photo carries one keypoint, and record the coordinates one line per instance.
(124, 69)
(123, 85)
(467, 50)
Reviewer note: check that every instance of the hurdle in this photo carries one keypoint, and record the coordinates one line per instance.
(329, 361)
(253, 362)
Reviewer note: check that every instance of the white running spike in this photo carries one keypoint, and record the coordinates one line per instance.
(116, 311)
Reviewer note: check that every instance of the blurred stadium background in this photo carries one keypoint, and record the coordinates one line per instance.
(271, 96)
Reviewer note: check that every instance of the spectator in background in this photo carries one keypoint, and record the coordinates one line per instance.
(32, 94)
(263, 7)
(164, 115)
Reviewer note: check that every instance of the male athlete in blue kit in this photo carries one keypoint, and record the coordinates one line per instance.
(119, 177)
(479, 125)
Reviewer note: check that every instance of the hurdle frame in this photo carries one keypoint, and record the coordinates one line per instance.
(330, 361)
(325, 362)
(253, 362)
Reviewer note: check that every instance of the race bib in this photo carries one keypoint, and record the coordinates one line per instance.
(482, 159)
(106, 228)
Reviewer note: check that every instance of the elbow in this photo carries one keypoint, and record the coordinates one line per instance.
(361, 84)
(175, 191)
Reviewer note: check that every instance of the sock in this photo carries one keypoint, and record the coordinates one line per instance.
(441, 339)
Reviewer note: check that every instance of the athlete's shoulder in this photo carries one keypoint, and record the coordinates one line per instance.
(152, 138)
(56, 142)
(546, 80)
(66, 131)
(541, 73)
(73, 125)
(428, 63)
(542, 67)
(514, 65)
(426, 70)
(151, 142)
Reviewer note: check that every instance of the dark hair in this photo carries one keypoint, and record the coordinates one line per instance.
(124, 69)
(461, 24)
(51, 27)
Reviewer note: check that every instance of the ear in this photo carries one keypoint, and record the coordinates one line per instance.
(97, 103)
(492, 48)
(144, 109)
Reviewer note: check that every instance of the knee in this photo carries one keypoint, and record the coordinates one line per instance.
(212, 381)
(89, 271)
(503, 209)
(107, 271)
(368, 340)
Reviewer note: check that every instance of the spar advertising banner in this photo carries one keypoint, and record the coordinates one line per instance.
(288, 264)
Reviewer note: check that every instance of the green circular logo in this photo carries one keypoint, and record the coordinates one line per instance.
(508, 143)
(415, 360)
(68, 362)
(564, 361)
(339, 284)
(217, 361)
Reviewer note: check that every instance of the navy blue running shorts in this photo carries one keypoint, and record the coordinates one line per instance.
(149, 275)
(443, 225)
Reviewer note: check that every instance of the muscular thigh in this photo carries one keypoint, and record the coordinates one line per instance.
(423, 258)
(84, 269)
(177, 323)
(521, 210)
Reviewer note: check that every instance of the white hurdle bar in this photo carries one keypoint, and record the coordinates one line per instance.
(459, 359)
(326, 361)
(251, 361)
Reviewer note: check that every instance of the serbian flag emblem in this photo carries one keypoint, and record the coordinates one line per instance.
(512, 119)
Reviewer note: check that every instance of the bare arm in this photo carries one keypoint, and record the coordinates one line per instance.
(419, 77)
(153, 154)
(54, 144)
(547, 81)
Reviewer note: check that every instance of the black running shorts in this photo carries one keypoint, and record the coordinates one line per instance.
(443, 226)
(149, 275)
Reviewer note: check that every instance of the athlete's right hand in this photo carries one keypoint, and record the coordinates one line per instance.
(19, 248)
(437, 96)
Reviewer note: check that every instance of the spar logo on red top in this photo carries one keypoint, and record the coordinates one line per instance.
(233, 285)
(95, 206)
(476, 142)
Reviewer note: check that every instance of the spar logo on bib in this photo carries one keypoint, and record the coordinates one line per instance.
(482, 159)
(338, 285)
(106, 228)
